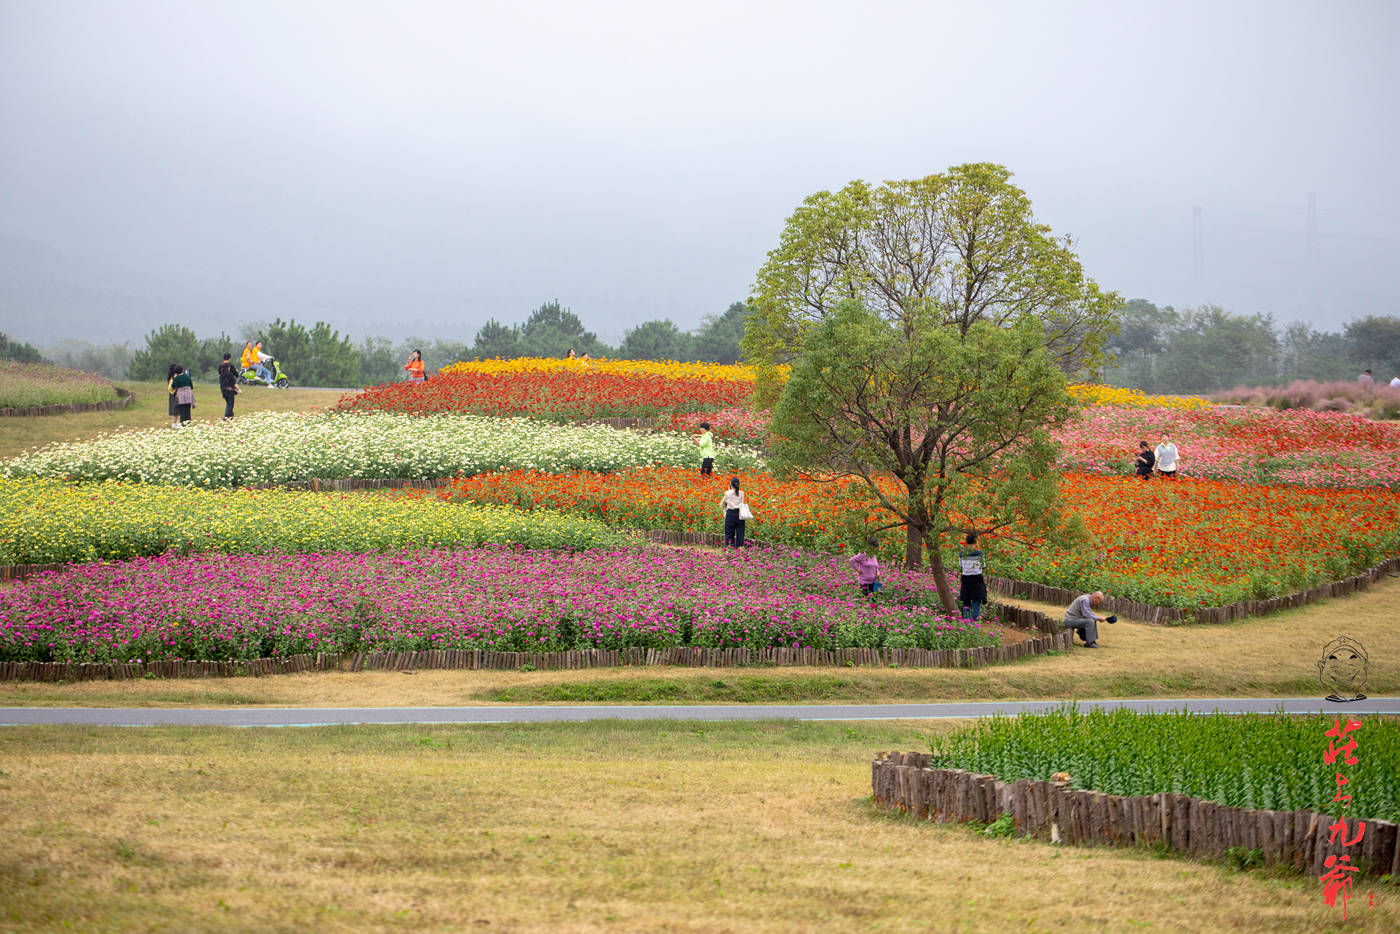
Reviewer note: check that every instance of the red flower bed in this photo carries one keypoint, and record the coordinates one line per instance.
(554, 396)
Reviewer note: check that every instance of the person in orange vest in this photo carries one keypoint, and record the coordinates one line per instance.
(414, 366)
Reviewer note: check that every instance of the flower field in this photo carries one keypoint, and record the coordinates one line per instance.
(1294, 447)
(1184, 544)
(562, 390)
(220, 607)
(1251, 760)
(28, 384)
(278, 447)
(46, 522)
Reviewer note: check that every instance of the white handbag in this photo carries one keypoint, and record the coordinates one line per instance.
(745, 513)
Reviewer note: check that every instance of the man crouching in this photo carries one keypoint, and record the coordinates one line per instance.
(1082, 617)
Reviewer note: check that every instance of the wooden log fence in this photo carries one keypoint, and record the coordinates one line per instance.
(125, 401)
(1191, 826)
(1151, 613)
(479, 659)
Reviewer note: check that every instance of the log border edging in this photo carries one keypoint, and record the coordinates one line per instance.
(1151, 613)
(127, 400)
(1053, 811)
(579, 659)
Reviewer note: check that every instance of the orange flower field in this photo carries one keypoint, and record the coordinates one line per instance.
(1185, 543)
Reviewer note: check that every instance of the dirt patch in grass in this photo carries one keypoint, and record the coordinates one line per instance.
(581, 827)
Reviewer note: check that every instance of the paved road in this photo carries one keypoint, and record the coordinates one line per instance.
(321, 716)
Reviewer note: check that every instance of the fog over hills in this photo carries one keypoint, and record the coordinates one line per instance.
(417, 168)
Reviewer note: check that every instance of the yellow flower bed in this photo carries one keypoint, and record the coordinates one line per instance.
(45, 521)
(606, 367)
(1092, 394)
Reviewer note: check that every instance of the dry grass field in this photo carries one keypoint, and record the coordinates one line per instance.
(579, 827)
(18, 435)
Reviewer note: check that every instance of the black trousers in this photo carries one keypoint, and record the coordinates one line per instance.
(707, 466)
(733, 529)
(229, 396)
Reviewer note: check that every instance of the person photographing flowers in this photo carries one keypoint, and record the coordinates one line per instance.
(1081, 617)
(414, 366)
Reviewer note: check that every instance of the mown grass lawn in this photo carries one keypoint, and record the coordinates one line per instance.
(18, 435)
(602, 826)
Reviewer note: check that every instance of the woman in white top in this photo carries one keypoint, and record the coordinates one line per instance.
(734, 507)
(1166, 459)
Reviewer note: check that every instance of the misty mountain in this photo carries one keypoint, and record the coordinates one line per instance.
(48, 294)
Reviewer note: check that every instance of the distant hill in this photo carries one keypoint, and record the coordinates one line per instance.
(48, 294)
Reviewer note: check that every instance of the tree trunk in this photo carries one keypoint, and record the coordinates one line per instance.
(913, 548)
(940, 580)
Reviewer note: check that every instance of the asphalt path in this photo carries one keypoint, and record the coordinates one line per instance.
(326, 716)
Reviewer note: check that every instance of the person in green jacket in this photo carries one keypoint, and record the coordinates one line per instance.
(182, 388)
(706, 443)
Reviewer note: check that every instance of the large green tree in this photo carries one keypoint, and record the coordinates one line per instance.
(956, 248)
(717, 340)
(656, 340)
(1375, 345)
(496, 340)
(290, 343)
(18, 351)
(1209, 348)
(170, 343)
(333, 360)
(553, 330)
(959, 419)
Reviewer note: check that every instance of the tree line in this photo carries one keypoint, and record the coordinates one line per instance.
(1208, 349)
(322, 356)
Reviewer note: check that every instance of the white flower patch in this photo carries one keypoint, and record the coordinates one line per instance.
(280, 447)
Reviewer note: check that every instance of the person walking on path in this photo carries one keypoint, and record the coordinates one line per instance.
(736, 512)
(228, 384)
(1081, 616)
(706, 443)
(183, 388)
(414, 366)
(1166, 459)
(1145, 460)
(173, 410)
(867, 568)
(972, 587)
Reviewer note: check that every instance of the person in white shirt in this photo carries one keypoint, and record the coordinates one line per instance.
(735, 509)
(1166, 459)
(1395, 383)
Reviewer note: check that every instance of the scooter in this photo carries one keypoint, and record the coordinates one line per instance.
(250, 377)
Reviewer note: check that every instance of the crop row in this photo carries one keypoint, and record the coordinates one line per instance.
(1186, 543)
(1252, 760)
(30, 384)
(43, 522)
(279, 447)
(490, 598)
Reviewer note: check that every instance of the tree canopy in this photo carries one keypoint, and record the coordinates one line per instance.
(955, 248)
(959, 419)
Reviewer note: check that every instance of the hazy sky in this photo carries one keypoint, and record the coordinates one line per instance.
(422, 166)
